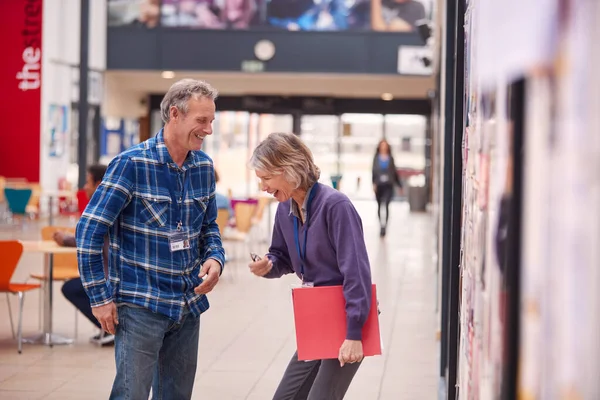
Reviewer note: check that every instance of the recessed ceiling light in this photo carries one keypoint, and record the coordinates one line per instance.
(168, 74)
(387, 96)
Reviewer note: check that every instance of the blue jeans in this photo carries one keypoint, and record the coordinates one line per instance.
(153, 351)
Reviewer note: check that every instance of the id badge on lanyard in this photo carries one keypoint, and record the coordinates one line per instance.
(178, 239)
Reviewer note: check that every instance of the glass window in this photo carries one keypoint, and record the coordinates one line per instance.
(235, 135)
(360, 135)
(228, 147)
(156, 122)
(320, 133)
(406, 136)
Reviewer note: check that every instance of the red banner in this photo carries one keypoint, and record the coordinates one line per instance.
(21, 88)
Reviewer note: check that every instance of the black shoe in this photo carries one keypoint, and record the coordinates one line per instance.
(102, 340)
(382, 232)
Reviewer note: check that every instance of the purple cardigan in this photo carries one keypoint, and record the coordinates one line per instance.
(335, 252)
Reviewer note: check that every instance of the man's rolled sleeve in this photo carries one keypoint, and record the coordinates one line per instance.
(107, 202)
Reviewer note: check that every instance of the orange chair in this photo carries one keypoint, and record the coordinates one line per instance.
(243, 223)
(261, 234)
(222, 219)
(243, 216)
(11, 254)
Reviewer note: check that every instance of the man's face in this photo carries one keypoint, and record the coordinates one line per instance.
(193, 127)
(90, 186)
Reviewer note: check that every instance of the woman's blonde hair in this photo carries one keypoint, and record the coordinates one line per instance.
(286, 153)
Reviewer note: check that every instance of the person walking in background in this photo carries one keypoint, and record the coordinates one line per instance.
(73, 288)
(157, 204)
(318, 236)
(385, 177)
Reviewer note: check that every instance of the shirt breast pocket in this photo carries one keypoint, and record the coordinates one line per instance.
(155, 211)
(199, 209)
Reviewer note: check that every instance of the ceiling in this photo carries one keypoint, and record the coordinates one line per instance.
(288, 84)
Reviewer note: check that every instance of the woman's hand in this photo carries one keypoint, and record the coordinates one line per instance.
(261, 267)
(351, 352)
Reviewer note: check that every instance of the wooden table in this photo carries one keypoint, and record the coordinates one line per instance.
(48, 248)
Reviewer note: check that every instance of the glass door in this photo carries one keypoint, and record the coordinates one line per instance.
(228, 147)
(321, 134)
(406, 135)
(235, 135)
(359, 137)
(345, 145)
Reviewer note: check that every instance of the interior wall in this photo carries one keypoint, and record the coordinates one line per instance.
(123, 102)
(60, 64)
(21, 24)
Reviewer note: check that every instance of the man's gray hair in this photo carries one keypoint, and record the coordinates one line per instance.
(181, 92)
(286, 153)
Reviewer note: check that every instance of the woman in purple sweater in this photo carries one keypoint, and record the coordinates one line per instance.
(318, 236)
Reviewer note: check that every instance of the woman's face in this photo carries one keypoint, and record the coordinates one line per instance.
(384, 148)
(275, 184)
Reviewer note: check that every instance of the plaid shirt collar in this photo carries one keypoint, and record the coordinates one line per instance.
(165, 158)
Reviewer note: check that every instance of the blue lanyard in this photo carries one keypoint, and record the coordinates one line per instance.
(171, 187)
(302, 254)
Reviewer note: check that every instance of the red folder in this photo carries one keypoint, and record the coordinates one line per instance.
(320, 316)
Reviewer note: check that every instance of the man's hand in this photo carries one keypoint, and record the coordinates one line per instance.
(107, 316)
(261, 267)
(59, 238)
(351, 352)
(212, 269)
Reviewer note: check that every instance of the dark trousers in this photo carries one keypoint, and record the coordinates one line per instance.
(74, 292)
(384, 194)
(315, 380)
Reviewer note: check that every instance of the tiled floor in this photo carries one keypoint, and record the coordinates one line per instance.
(247, 337)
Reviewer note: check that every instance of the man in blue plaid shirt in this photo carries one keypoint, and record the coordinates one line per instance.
(157, 204)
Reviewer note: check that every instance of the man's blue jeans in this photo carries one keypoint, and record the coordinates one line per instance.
(153, 351)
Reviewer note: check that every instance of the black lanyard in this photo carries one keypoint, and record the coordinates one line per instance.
(302, 254)
(171, 187)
